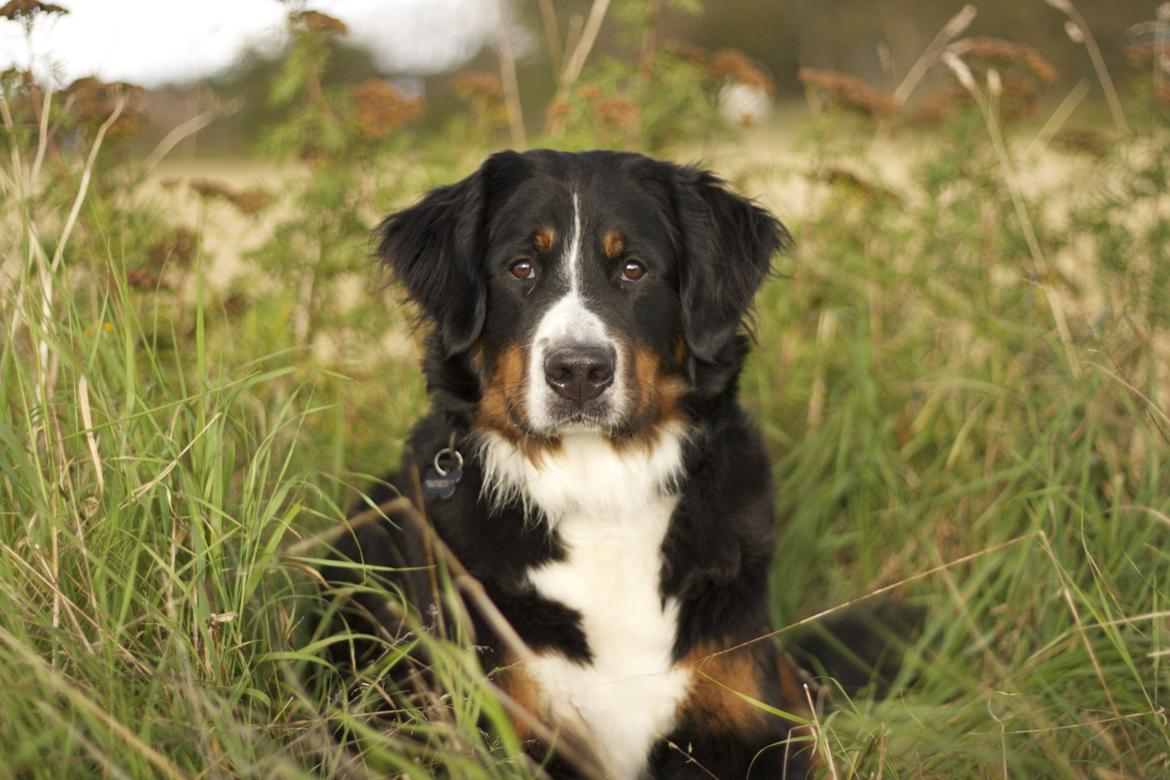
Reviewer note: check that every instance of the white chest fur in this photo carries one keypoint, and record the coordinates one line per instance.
(628, 695)
(611, 512)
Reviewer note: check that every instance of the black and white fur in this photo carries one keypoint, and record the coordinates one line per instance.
(626, 532)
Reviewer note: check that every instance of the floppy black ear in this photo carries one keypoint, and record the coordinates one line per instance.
(727, 245)
(436, 249)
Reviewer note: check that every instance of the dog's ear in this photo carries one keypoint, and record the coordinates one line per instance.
(727, 244)
(436, 248)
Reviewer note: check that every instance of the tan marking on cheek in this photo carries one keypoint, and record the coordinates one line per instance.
(503, 386)
(612, 244)
(503, 401)
(544, 239)
(655, 399)
(659, 393)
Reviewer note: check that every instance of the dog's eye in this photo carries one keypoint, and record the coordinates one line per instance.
(523, 269)
(632, 271)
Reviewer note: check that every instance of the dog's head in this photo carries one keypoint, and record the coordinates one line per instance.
(586, 292)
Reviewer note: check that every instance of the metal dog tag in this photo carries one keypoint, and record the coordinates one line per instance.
(440, 482)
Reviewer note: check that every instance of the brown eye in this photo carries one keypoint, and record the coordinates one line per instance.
(523, 269)
(632, 271)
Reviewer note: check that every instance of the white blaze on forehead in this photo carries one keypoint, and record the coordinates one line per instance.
(568, 321)
(573, 261)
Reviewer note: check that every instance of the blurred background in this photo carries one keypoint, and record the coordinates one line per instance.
(190, 57)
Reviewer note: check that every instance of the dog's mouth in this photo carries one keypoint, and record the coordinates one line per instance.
(566, 417)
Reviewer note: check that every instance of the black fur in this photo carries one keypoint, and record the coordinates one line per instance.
(707, 251)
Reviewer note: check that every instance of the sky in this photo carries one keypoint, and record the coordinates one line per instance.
(151, 42)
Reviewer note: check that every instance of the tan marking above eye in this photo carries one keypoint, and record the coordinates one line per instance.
(544, 239)
(612, 244)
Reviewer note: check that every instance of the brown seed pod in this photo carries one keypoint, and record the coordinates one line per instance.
(209, 189)
(1091, 142)
(737, 66)
(383, 108)
(176, 247)
(252, 201)
(476, 84)
(1004, 52)
(26, 11)
(849, 93)
(317, 22)
(591, 92)
(91, 101)
(618, 111)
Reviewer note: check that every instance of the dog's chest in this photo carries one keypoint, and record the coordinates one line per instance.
(629, 692)
(610, 511)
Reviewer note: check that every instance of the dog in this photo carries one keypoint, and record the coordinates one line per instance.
(586, 459)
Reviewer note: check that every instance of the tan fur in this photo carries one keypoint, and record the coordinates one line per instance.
(544, 239)
(504, 389)
(613, 244)
(713, 700)
(513, 680)
(657, 397)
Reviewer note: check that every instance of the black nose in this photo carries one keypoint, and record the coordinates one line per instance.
(579, 373)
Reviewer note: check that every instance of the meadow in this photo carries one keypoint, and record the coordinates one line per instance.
(962, 370)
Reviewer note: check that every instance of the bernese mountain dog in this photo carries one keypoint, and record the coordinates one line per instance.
(586, 460)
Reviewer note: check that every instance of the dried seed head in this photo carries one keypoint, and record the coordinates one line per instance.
(476, 84)
(938, 106)
(1143, 54)
(1019, 97)
(618, 111)
(735, 65)
(177, 248)
(91, 101)
(558, 110)
(317, 22)
(209, 189)
(848, 93)
(252, 201)
(591, 92)
(144, 279)
(1005, 53)
(382, 108)
(1091, 142)
(1074, 31)
(26, 11)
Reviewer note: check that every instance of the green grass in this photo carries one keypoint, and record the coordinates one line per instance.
(981, 425)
